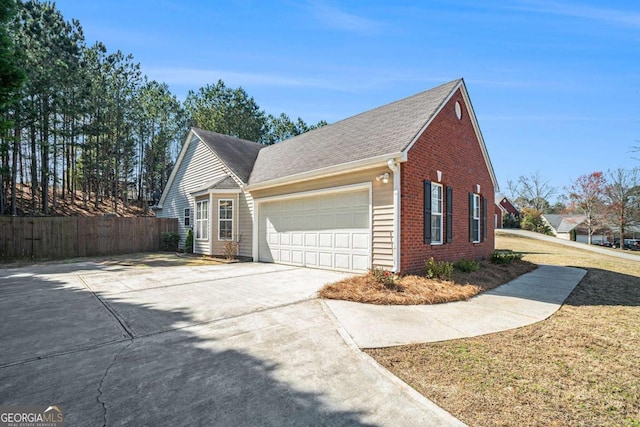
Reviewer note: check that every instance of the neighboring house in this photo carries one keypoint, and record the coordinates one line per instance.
(387, 188)
(506, 212)
(567, 227)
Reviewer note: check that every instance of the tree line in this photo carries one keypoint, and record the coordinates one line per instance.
(608, 201)
(81, 119)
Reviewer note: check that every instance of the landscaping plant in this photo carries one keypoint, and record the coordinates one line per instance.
(466, 265)
(442, 270)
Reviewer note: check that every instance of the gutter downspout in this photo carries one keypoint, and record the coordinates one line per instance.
(395, 168)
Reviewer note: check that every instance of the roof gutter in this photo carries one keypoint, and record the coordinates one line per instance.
(329, 171)
(395, 168)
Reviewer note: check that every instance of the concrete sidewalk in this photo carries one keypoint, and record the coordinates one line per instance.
(630, 255)
(528, 299)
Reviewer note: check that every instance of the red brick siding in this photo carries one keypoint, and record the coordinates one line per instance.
(498, 216)
(451, 146)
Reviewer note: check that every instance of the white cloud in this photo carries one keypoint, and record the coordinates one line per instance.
(608, 15)
(336, 18)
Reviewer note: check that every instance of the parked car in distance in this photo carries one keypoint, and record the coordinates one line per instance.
(631, 244)
(601, 242)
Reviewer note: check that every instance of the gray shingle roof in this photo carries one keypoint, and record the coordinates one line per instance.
(224, 183)
(384, 130)
(564, 223)
(238, 154)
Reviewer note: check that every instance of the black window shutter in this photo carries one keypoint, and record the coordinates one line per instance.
(427, 211)
(449, 214)
(484, 219)
(471, 217)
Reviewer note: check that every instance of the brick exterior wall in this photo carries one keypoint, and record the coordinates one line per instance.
(451, 146)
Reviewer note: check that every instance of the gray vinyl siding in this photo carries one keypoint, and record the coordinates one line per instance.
(382, 239)
(198, 167)
(245, 224)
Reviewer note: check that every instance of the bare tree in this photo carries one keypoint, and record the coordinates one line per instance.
(532, 192)
(622, 195)
(586, 194)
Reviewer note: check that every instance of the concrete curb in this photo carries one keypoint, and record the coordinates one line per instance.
(444, 418)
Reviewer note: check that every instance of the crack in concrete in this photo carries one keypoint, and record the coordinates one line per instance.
(126, 328)
(61, 353)
(194, 282)
(104, 377)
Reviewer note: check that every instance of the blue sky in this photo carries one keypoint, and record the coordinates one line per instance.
(555, 84)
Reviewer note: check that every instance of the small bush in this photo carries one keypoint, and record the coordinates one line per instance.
(169, 241)
(188, 242)
(466, 265)
(505, 257)
(230, 250)
(532, 220)
(387, 278)
(442, 270)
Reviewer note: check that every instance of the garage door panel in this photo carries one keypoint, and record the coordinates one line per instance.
(360, 241)
(297, 257)
(327, 231)
(311, 258)
(325, 259)
(325, 240)
(297, 239)
(274, 238)
(360, 262)
(342, 240)
(285, 239)
(342, 261)
(310, 239)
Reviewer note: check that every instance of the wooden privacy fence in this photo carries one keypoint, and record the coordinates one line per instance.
(66, 237)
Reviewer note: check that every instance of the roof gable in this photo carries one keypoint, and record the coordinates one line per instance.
(564, 223)
(384, 131)
(239, 155)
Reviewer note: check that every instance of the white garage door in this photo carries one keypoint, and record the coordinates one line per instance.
(329, 231)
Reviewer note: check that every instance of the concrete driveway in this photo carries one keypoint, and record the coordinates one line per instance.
(240, 344)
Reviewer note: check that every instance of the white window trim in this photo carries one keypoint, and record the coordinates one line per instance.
(202, 222)
(233, 213)
(435, 213)
(187, 217)
(476, 216)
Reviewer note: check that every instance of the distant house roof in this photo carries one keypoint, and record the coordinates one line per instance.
(238, 154)
(386, 130)
(564, 223)
(506, 205)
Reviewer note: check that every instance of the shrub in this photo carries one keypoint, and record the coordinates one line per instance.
(505, 257)
(188, 242)
(387, 278)
(532, 220)
(442, 270)
(169, 241)
(466, 265)
(230, 250)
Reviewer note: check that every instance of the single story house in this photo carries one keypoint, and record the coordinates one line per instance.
(564, 226)
(389, 188)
